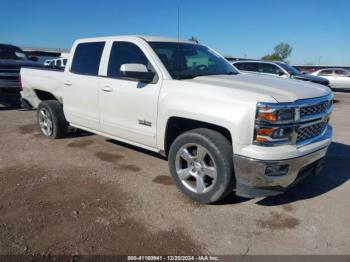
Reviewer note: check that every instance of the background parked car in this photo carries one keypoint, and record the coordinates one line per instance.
(56, 63)
(47, 62)
(338, 78)
(278, 69)
(12, 58)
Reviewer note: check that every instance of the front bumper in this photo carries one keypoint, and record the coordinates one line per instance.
(252, 180)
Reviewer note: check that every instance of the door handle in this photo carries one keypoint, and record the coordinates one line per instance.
(107, 89)
(68, 83)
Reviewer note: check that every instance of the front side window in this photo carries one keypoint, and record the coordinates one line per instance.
(290, 69)
(87, 57)
(58, 63)
(271, 69)
(185, 60)
(125, 53)
(326, 73)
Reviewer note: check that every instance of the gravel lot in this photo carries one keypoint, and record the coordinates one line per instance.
(89, 195)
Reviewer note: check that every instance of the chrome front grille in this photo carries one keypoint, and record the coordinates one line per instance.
(307, 132)
(306, 111)
(310, 123)
(314, 117)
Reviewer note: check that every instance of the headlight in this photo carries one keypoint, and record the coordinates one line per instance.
(268, 124)
(273, 135)
(276, 115)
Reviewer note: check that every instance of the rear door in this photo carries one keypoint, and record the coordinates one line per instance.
(82, 85)
(129, 108)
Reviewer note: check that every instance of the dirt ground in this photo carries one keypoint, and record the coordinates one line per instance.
(86, 194)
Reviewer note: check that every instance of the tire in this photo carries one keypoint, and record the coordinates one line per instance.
(51, 111)
(213, 178)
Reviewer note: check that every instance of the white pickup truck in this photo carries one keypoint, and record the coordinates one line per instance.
(221, 130)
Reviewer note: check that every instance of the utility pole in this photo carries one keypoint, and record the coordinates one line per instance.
(319, 62)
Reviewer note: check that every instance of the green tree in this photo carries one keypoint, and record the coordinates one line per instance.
(280, 52)
(272, 57)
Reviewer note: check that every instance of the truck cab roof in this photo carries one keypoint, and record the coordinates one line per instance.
(131, 37)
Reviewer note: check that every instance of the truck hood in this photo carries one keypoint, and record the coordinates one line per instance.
(281, 89)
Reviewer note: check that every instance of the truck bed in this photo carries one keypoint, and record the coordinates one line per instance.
(35, 80)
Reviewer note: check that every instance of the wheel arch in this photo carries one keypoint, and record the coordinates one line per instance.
(176, 126)
(44, 95)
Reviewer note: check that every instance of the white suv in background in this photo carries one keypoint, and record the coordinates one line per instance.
(280, 69)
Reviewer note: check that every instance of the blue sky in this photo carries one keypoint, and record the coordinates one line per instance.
(316, 29)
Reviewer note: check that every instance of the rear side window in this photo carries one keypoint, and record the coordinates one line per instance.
(87, 57)
(253, 67)
(239, 66)
(125, 53)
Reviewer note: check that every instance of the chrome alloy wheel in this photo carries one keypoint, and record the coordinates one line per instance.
(196, 168)
(45, 122)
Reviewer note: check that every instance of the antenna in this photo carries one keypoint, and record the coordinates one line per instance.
(178, 22)
(178, 38)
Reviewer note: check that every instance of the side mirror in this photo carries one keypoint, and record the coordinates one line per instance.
(136, 72)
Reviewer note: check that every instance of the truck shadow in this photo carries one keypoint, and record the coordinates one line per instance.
(138, 149)
(336, 173)
(8, 108)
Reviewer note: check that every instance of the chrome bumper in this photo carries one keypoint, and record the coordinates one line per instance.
(253, 182)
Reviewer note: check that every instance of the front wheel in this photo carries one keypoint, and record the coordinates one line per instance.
(201, 165)
(51, 120)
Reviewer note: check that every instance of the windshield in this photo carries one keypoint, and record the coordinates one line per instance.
(185, 60)
(291, 70)
(11, 52)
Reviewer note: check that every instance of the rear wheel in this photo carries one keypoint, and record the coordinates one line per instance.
(201, 165)
(51, 120)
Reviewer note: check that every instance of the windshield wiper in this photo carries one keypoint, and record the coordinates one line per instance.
(197, 75)
(189, 76)
(230, 73)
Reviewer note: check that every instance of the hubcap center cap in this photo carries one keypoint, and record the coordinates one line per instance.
(197, 166)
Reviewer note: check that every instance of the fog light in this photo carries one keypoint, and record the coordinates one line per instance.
(276, 170)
